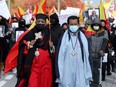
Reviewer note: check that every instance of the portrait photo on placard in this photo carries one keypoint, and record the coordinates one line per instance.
(93, 13)
(15, 25)
(2, 31)
(18, 33)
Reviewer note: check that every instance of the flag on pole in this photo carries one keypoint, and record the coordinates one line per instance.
(11, 60)
(107, 4)
(52, 11)
(21, 12)
(36, 8)
(81, 16)
(12, 57)
(102, 11)
(42, 6)
(103, 14)
(89, 31)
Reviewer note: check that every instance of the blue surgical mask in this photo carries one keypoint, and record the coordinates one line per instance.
(73, 29)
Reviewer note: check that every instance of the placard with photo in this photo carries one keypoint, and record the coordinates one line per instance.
(18, 33)
(93, 13)
(15, 25)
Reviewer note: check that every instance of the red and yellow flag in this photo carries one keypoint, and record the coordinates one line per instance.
(89, 31)
(12, 57)
(52, 11)
(42, 6)
(36, 8)
(21, 12)
(11, 60)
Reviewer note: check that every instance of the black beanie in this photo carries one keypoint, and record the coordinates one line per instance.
(41, 16)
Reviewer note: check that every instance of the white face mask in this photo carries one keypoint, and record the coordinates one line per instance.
(96, 27)
(73, 29)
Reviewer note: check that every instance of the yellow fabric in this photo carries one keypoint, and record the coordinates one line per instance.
(35, 9)
(22, 12)
(40, 6)
(107, 5)
(90, 29)
(81, 16)
(102, 11)
(32, 25)
(114, 13)
(52, 11)
(42, 2)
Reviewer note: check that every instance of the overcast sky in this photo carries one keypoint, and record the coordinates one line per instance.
(94, 1)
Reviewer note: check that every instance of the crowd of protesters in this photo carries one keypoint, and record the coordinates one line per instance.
(60, 55)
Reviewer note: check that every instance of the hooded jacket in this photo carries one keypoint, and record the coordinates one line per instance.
(98, 41)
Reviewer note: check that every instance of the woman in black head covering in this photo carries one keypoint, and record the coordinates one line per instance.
(55, 25)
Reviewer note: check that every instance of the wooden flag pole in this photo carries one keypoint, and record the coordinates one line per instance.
(58, 8)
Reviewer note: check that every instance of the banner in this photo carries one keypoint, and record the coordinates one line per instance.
(4, 11)
(64, 14)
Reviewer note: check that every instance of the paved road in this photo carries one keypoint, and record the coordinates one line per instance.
(110, 81)
(9, 80)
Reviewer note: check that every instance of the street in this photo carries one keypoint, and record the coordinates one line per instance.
(9, 80)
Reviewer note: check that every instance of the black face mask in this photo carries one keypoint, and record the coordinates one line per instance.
(21, 24)
(40, 27)
(53, 22)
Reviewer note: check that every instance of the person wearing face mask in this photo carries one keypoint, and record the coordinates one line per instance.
(73, 66)
(22, 23)
(12, 33)
(17, 31)
(109, 62)
(98, 44)
(21, 29)
(55, 26)
(57, 29)
(34, 66)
